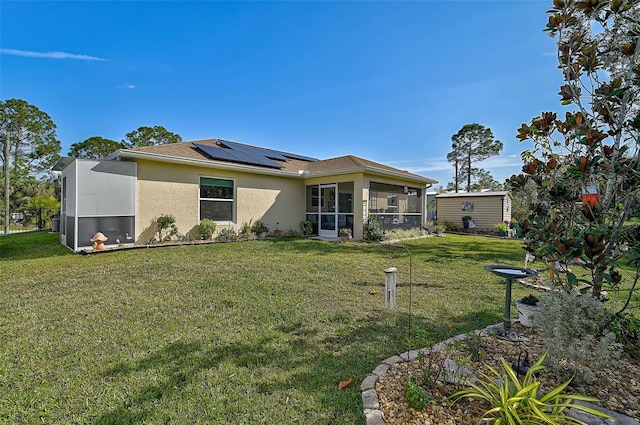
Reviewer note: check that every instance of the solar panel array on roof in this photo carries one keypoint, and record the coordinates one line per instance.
(245, 154)
(225, 154)
(270, 153)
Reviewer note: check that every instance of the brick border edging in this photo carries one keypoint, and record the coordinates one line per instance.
(371, 401)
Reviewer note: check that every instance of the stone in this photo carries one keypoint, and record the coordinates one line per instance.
(374, 417)
(370, 399)
(369, 382)
(410, 356)
(393, 360)
(381, 369)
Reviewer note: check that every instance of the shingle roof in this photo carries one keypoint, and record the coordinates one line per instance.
(347, 163)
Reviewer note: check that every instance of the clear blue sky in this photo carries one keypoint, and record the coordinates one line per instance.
(387, 81)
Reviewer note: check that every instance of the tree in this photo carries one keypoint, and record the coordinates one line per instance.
(44, 206)
(586, 166)
(522, 199)
(30, 135)
(29, 144)
(95, 147)
(149, 136)
(472, 143)
(484, 180)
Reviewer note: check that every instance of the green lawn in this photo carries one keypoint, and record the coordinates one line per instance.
(230, 333)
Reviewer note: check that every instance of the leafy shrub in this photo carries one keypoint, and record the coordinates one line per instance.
(373, 229)
(575, 328)
(416, 232)
(435, 229)
(227, 235)
(306, 227)
(630, 233)
(345, 231)
(206, 229)
(472, 346)
(166, 227)
(450, 226)
(417, 396)
(515, 402)
(291, 233)
(245, 230)
(501, 227)
(259, 227)
(627, 328)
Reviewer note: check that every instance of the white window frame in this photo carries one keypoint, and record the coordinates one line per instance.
(232, 200)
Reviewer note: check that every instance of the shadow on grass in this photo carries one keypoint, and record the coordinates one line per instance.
(315, 367)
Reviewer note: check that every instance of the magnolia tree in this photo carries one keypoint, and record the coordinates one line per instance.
(585, 165)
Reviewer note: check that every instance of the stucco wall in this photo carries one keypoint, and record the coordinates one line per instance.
(165, 188)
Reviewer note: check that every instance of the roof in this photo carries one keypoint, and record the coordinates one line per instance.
(473, 194)
(221, 154)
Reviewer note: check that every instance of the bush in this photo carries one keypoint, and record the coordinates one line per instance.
(417, 396)
(501, 227)
(227, 235)
(166, 223)
(206, 229)
(435, 229)
(575, 327)
(306, 227)
(416, 232)
(450, 226)
(373, 229)
(627, 328)
(245, 230)
(291, 233)
(259, 227)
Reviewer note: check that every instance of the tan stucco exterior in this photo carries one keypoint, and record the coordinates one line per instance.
(166, 188)
(273, 189)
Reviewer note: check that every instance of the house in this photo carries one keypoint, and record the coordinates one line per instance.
(486, 208)
(230, 183)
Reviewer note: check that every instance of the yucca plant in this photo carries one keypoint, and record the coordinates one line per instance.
(522, 403)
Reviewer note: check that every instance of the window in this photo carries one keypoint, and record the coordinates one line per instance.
(216, 199)
(395, 206)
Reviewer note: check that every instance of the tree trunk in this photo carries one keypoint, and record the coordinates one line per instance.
(6, 184)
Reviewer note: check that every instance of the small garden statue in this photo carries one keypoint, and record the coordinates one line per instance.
(98, 241)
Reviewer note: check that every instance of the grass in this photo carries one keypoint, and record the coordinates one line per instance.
(232, 333)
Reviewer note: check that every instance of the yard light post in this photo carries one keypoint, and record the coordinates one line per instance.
(5, 140)
(393, 249)
(390, 287)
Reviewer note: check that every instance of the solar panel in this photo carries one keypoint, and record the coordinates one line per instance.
(258, 154)
(233, 155)
(300, 157)
(269, 153)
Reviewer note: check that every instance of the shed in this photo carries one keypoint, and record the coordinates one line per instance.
(486, 208)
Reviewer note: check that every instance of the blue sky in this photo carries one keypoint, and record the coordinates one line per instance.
(387, 81)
